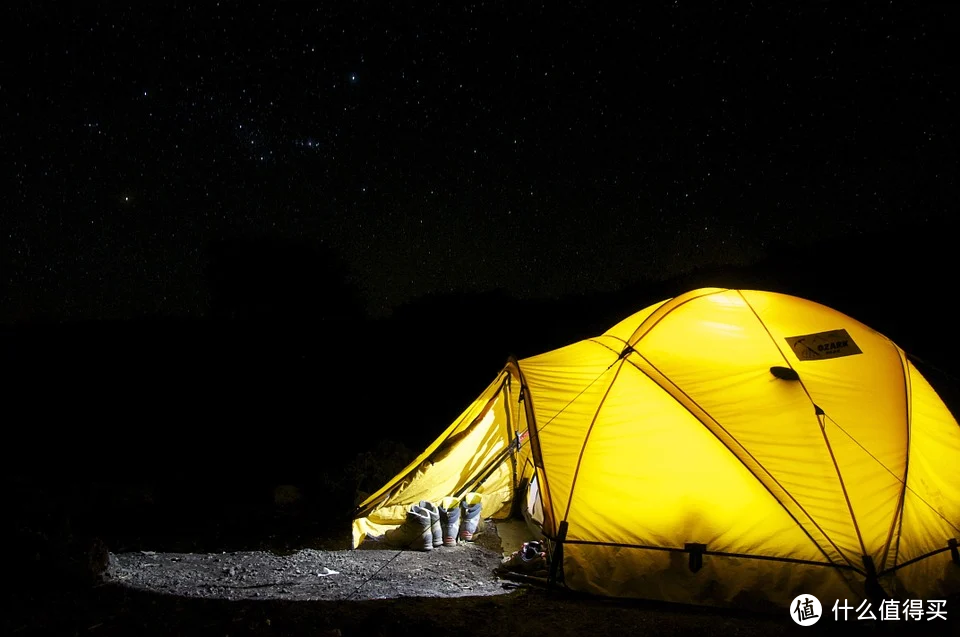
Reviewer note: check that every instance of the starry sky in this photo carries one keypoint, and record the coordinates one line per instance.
(457, 147)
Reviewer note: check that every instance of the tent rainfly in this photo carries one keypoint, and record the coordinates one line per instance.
(724, 447)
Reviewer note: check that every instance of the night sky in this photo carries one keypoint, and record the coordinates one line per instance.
(459, 147)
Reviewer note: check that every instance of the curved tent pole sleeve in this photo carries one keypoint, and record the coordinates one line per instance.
(511, 426)
(549, 519)
(896, 528)
(509, 451)
(668, 306)
(952, 547)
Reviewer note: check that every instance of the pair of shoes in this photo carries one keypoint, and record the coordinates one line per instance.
(429, 526)
(460, 518)
(531, 560)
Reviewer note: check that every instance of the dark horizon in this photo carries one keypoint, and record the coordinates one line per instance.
(279, 356)
(269, 272)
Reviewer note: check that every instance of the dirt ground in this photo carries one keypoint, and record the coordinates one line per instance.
(369, 591)
(371, 572)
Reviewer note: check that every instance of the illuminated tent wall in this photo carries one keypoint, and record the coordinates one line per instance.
(724, 447)
(486, 450)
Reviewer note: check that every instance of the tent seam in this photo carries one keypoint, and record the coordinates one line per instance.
(586, 439)
(895, 476)
(666, 313)
(823, 432)
(759, 464)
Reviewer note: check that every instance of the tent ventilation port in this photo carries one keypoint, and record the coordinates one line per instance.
(784, 373)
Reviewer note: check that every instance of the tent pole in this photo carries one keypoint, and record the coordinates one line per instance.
(556, 556)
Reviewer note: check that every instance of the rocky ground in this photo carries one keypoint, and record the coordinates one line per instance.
(369, 591)
(371, 572)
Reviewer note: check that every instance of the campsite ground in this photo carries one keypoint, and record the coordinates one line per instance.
(332, 590)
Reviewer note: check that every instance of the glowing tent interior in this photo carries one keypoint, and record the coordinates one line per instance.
(723, 447)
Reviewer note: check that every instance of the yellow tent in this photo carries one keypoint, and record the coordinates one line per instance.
(724, 447)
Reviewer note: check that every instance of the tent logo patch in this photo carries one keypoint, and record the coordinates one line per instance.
(823, 345)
